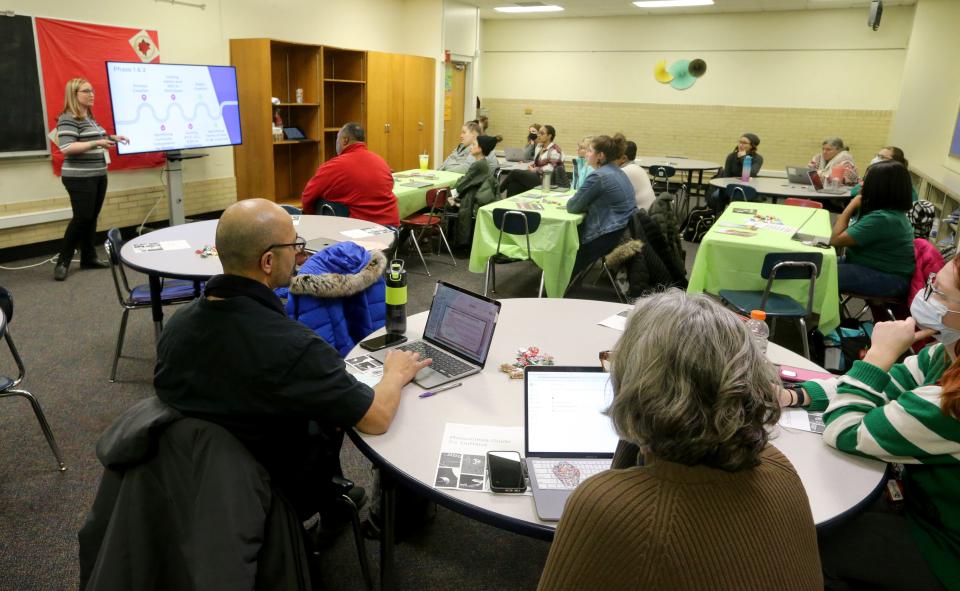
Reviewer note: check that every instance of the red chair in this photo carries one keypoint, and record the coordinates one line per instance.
(436, 202)
(797, 202)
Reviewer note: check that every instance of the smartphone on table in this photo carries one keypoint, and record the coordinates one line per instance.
(383, 341)
(788, 373)
(506, 472)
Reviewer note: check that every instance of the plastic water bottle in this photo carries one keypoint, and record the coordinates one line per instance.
(396, 298)
(547, 173)
(747, 164)
(576, 173)
(758, 328)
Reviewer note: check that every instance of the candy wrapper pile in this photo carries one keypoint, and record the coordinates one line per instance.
(525, 357)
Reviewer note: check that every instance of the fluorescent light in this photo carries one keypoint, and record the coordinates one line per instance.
(540, 8)
(671, 3)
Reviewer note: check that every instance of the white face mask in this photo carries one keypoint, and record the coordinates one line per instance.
(930, 314)
(875, 160)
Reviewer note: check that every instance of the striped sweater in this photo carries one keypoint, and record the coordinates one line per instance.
(895, 416)
(91, 163)
(670, 526)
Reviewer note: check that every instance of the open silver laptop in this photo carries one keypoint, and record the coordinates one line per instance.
(798, 174)
(457, 336)
(567, 436)
(513, 154)
(817, 183)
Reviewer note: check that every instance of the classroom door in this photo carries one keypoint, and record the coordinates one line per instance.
(453, 108)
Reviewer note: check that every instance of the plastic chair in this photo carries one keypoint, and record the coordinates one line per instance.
(797, 202)
(662, 174)
(780, 266)
(517, 223)
(741, 192)
(291, 209)
(174, 291)
(10, 386)
(332, 208)
(436, 201)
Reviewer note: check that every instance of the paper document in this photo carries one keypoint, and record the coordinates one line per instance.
(617, 321)
(798, 418)
(463, 454)
(175, 245)
(366, 369)
(156, 246)
(361, 233)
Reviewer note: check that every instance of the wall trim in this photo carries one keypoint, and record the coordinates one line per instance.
(35, 217)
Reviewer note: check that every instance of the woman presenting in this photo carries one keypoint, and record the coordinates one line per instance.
(84, 145)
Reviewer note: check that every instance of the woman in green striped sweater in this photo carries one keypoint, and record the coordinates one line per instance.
(906, 413)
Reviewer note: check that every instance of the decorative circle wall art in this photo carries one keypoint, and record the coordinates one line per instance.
(681, 74)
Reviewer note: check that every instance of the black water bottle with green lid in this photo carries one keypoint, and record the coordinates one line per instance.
(396, 298)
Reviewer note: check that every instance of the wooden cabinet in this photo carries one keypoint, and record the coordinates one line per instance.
(333, 85)
(400, 115)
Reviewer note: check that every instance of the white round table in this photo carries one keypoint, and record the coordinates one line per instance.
(777, 188)
(185, 263)
(836, 483)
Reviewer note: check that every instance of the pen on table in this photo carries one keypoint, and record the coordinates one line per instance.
(438, 390)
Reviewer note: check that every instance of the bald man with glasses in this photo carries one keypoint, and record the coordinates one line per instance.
(233, 357)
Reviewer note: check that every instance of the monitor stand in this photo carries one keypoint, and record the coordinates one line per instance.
(175, 184)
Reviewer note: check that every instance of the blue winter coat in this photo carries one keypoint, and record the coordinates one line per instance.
(340, 294)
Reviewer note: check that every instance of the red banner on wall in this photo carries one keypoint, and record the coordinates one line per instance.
(79, 50)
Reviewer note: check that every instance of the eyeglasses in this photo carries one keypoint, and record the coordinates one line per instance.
(299, 246)
(930, 289)
(606, 360)
(85, 91)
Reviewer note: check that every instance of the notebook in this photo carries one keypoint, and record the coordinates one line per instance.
(457, 336)
(798, 174)
(567, 436)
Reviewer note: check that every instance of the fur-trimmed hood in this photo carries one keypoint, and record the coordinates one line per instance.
(623, 253)
(338, 284)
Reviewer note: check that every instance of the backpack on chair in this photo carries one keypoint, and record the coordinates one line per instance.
(698, 223)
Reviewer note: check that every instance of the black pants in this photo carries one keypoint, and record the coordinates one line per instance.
(519, 181)
(596, 248)
(86, 199)
(874, 550)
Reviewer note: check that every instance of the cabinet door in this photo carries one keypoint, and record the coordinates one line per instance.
(385, 106)
(418, 98)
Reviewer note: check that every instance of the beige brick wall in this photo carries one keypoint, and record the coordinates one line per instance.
(120, 209)
(708, 132)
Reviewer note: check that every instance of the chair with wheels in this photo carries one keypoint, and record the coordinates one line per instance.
(175, 291)
(291, 209)
(418, 223)
(797, 202)
(10, 386)
(517, 223)
(780, 266)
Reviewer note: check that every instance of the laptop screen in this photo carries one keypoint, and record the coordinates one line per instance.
(462, 322)
(564, 412)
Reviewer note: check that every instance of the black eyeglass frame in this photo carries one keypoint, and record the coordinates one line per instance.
(299, 246)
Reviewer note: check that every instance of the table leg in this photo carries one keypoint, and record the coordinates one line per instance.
(388, 505)
(156, 305)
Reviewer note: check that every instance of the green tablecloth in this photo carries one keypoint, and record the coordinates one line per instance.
(734, 262)
(412, 199)
(553, 246)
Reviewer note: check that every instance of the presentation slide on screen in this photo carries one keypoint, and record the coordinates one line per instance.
(163, 107)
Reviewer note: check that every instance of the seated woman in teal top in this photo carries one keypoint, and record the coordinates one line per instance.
(580, 167)
(879, 258)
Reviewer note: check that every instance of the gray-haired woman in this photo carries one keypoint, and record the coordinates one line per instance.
(834, 161)
(697, 499)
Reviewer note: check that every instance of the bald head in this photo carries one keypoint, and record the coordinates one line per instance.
(246, 229)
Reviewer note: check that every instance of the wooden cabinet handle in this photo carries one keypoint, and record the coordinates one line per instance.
(420, 125)
(386, 127)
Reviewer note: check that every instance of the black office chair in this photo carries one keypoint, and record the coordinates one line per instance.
(517, 223)
(10, 386)
(174, 291)
(780, 266)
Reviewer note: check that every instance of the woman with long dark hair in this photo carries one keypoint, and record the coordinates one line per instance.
(879, 258)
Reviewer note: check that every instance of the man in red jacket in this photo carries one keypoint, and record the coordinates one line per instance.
(357, 178)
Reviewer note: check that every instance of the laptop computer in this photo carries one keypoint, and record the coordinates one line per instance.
(513, 154)
(293, 133)
(817, 183)
(798, 174)
(457, 336)
(567, 436)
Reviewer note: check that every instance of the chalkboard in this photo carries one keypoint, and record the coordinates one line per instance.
(23, 128)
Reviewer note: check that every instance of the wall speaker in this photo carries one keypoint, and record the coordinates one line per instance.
(876, 11)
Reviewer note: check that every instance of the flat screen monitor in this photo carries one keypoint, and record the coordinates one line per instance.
(165, 107)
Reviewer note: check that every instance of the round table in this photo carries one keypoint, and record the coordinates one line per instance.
(777, 188)
(185, 263)
(836, 483)
(688, 165)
